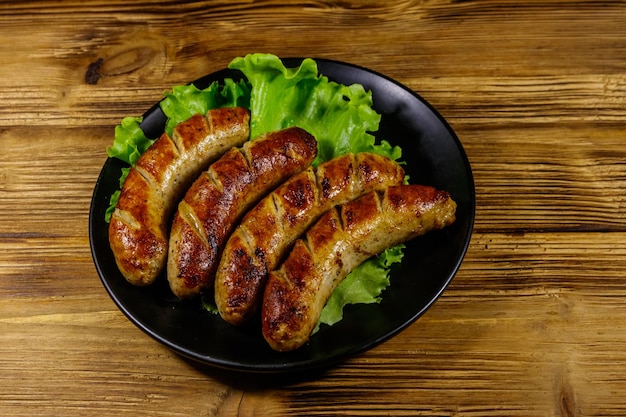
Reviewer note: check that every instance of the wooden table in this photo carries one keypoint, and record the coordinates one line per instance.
(534, 323)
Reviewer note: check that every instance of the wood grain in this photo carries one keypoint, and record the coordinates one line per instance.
(533, 324)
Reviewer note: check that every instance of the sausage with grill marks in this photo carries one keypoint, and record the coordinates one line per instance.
(139, 226)
(217, 199)
(261, 240)
(337, 243)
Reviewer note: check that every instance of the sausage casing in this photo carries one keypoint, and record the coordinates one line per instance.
(138, 230)
(339, 241)
(221, 195)
(270, 228)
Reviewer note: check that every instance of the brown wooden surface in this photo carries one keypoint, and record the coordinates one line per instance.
(534, 324)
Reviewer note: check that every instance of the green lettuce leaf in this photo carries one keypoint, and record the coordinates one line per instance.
(207, 301)
(115, 196)
(130, 141)
(363, 285)
(340, 117)
(186, 100)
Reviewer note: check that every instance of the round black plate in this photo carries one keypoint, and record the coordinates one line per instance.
(434, 157)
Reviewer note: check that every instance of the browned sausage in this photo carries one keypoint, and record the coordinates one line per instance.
(138, 231)
(338, 242)
(269, 229)
(218, 198)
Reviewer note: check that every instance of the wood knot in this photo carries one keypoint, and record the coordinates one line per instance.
(93, 72)
(124, 62)
(566, 402)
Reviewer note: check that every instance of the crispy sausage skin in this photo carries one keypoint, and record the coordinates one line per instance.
(270, 228)
(339, 241)
(138, 230)
(221, 195)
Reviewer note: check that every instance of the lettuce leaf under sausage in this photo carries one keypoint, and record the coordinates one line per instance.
(341, 117)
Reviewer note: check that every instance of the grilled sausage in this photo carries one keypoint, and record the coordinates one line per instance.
(269, 229)
(338, 242)
(139, 225)
(217, 199)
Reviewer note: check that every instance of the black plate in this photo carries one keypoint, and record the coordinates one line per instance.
(434, 157)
